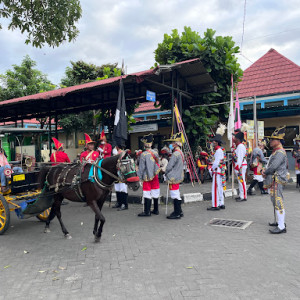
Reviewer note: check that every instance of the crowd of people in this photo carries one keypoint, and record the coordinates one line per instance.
(170, 166)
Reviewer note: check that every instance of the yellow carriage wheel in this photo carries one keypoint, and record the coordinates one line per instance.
(4, 215)
(44, 215)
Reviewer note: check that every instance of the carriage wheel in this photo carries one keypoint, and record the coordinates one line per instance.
(44, 215)
(4, 215)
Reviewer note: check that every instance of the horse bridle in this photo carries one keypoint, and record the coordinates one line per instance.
(121, 171)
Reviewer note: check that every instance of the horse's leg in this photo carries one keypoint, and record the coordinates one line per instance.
(57, 203)
(96, 224)
(50, 218)
(99, 217)
(63, 228)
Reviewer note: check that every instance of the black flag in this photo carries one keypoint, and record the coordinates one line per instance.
(120, 126)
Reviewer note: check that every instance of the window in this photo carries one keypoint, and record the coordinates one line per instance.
(273, 104)
(294, 102)
(250, 106)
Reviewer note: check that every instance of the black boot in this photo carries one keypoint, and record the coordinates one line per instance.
(176, 213)
(179, 208)
(261, 187)
(118, 203)
(155, 210)
(298, 181)
(124, 202)
(253, 183)
(147, 206)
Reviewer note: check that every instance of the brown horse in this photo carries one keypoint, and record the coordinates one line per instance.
(75, 183)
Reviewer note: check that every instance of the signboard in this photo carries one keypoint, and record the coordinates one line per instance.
(250, 131)
(150, 96)
(81, 142)
(144, 128)
(260, 129)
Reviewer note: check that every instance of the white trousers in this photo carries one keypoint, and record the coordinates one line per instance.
(151, 194)
(121, 187)
(242, 185)
(217, 190)
(280, 219)
(259, 178)
(175, 194)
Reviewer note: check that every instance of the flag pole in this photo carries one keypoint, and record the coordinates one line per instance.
(231, 138)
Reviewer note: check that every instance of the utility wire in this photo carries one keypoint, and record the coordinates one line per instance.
(245, 5)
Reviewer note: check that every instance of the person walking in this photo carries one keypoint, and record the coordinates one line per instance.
(257, 163)
(275, 176)
(239, 156)
(121, 187)
(296, 155)
(217, 171)
(175, 174)
(147, 172)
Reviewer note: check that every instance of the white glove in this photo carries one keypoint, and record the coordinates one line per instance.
(100, 149)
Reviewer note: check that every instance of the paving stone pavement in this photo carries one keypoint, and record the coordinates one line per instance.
(155, 258)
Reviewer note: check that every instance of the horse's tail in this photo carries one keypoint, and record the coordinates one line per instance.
(42, 176)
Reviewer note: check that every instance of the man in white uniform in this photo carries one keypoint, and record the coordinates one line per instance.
(239, 156)
(217, 171)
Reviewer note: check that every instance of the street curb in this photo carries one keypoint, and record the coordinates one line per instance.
(187, 198)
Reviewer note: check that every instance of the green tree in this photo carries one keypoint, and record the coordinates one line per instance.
(82, 72)
(44, 21)
(217, 54)
(23, 80)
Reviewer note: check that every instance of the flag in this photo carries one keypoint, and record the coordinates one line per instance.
(230, 124)
(120, 125)
(237, 113)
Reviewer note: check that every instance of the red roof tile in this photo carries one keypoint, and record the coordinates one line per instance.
(145, 107)
(272, 74)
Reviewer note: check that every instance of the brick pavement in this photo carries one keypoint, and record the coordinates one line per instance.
(155, 258)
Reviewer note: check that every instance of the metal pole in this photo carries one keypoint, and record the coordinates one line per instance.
(232, 178)
(167, 199)
(49, 135)
(173, 127)
(255, 122)
(56, 132)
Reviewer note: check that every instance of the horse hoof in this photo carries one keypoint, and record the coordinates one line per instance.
(97, 239)
(68, 236)
(47, 230)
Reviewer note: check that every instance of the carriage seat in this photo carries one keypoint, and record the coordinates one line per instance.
(24, 182)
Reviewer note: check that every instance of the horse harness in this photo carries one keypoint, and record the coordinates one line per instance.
(75, 185)
(64, 186)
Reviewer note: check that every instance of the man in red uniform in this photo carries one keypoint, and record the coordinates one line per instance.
(105, 148)
(58, 156)
(90, 155)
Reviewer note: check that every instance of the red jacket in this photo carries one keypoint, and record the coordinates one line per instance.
(58, 157)
(89, 155)
(107, 149)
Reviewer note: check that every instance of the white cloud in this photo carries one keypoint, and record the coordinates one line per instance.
(111, 30)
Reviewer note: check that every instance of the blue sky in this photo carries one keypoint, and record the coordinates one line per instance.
(113, 30)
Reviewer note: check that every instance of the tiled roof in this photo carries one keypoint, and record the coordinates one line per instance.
(145, 107)
(272, 74)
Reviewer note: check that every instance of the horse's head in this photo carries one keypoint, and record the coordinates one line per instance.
(127, 171)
